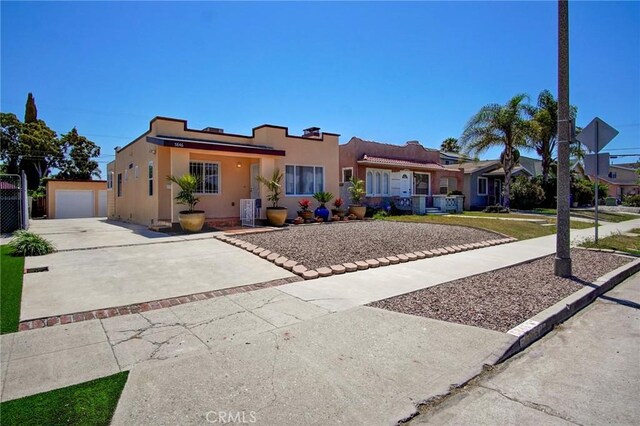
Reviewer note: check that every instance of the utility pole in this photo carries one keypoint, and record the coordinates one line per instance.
(563, 250)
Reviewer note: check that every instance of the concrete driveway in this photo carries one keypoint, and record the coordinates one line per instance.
(109, 264)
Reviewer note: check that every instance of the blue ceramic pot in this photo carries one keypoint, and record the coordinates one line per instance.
(322, 212)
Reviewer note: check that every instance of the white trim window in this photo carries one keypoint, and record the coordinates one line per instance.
(483, 186)
(110, 181)
(421, 183)
(208, 175)
(347, 174)
(378, 183)
(303, 180)
(444, 186)
(150, 176)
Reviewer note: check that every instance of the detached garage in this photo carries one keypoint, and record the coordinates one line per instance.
(68, 199)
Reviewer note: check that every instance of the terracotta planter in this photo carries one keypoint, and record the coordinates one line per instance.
(306, 214)
(191, 221)
(358, 211)
(338, 212)
(277, 215)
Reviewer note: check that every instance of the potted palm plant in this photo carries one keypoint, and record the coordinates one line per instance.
(357, 191)
(323, 197)
(191, 220)
(275, 214)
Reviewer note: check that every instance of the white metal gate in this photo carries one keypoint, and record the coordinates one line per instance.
(248, 212)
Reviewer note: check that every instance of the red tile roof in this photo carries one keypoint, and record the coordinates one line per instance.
(367, 159)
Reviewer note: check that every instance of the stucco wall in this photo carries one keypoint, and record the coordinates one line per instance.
(54, 185)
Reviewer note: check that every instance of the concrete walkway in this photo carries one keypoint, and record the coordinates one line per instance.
(53, 357)
(586, 372)
(340, 292)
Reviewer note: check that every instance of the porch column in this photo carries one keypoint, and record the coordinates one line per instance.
(179, 166)
(267, 165)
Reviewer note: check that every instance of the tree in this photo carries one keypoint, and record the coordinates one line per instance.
(544, 137)
(30, 110)
(503, 126)
(78, 152)
(40, 151)
(450, 145)
(10, 151)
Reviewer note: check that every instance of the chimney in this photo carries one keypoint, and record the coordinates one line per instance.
(311, 132)
(213, 130)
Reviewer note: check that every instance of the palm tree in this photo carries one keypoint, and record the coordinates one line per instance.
(545, 129)
(450, 145)
(504, 126)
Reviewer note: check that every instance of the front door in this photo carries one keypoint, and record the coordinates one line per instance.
(255, 186)
(497, 190)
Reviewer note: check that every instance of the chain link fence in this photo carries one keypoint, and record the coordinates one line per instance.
(13, 203)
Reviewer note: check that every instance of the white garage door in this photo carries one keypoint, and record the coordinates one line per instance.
(74, 203)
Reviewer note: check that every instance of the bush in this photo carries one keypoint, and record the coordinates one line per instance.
(631, 201)
(496, 209)
(29, 244)
(582, 190)
(526, 194)
(455, 193)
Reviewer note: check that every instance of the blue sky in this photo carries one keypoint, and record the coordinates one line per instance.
(388, 72)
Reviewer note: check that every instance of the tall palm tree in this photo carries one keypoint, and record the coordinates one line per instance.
(504, 126)
(545, 134)
(544, 137)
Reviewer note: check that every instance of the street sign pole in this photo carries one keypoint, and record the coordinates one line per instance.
(597, 177)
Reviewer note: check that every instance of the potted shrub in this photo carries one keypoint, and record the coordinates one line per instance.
(191, 220)
(357, 191)
(275, 214)
(323, 197)
(304, 211)
(337, 211)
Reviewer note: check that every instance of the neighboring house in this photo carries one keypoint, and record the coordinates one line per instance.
(622, 180)
(227, 165)
(533, 165)
(76, 198)
(409, 174)
(484, 181)
(448, 158)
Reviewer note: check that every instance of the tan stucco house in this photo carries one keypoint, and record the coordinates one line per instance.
(227, 164)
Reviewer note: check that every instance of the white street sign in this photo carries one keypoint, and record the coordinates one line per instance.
(596, 135)
(590, 164)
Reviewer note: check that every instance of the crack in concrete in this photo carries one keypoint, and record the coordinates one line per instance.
(274, 395)
(533, 405)
(209, 321)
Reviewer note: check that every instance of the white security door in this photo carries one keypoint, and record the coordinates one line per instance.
(74, 203)
(405, 184)
(102, 203)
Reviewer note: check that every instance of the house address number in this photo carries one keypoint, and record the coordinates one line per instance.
(178, 144)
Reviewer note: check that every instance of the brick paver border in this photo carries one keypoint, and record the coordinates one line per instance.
(325, 271)
(147, 306)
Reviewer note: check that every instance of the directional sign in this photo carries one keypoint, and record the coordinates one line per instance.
(596, 135)
(590, 164)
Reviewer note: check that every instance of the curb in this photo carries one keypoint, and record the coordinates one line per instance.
(540, 324)
(325, 271)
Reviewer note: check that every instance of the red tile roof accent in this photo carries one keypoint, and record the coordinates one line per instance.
(400, 163)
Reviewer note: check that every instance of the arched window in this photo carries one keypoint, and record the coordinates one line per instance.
(369, 183)
(385, 183)
(378, 186)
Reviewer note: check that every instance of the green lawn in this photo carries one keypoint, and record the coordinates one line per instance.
(506, 215)
(91, 403)
(606, 216)
(617, 242)
(11, 271)
(516, 229)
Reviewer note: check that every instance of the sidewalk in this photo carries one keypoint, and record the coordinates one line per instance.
(585, 372)
(340, 292)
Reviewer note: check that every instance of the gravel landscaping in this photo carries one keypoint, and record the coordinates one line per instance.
(500, 300)
(329, 244)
